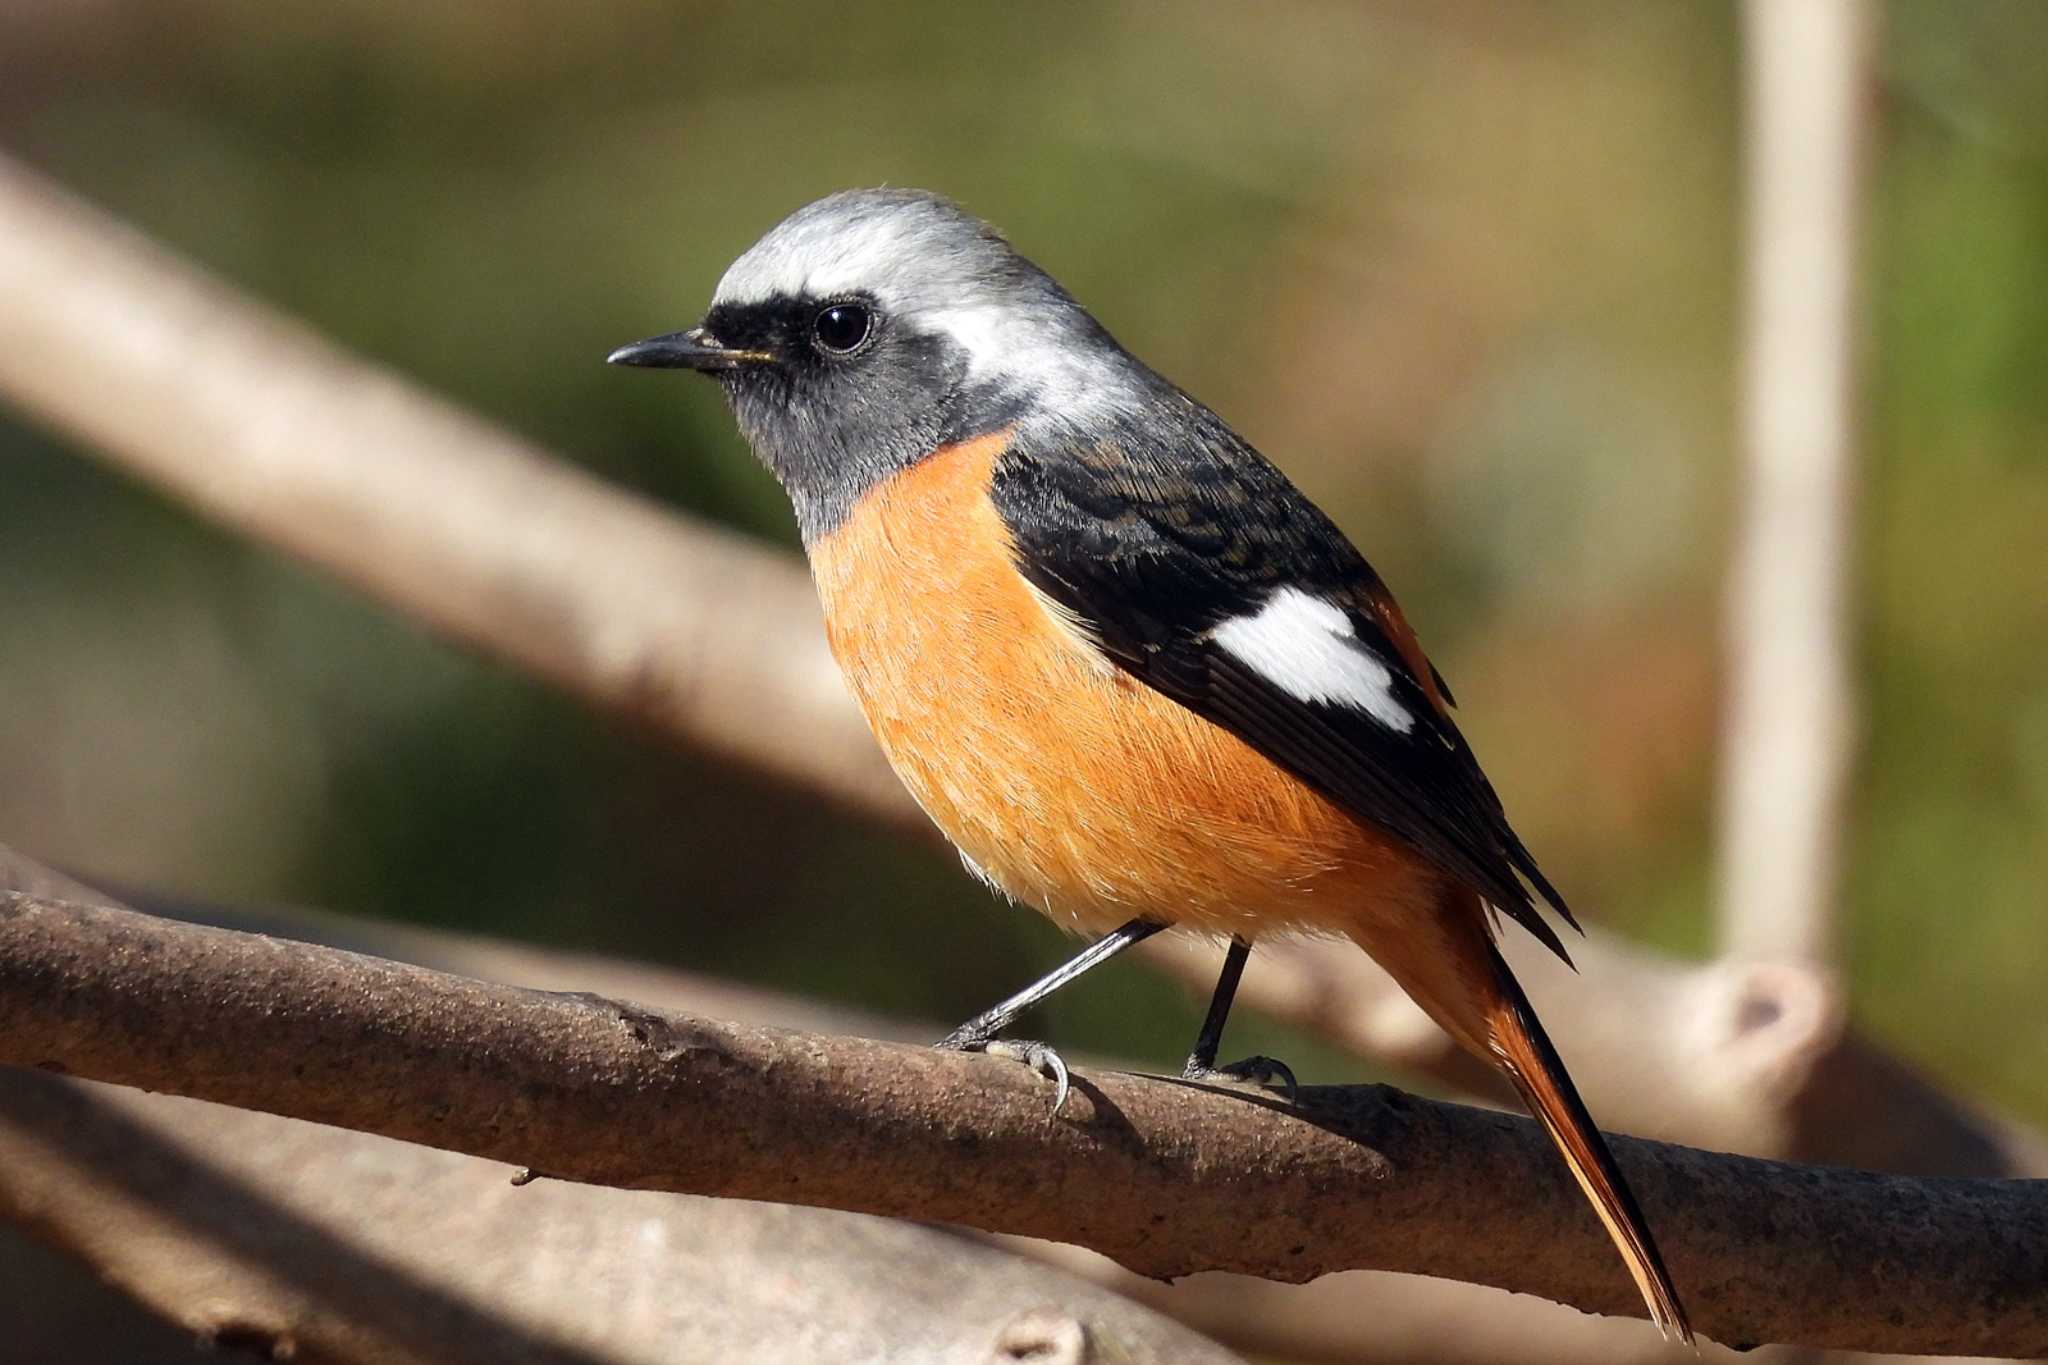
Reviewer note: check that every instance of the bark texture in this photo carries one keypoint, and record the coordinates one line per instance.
(1167, 1178)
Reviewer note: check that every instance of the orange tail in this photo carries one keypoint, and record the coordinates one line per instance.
(1525, 1053)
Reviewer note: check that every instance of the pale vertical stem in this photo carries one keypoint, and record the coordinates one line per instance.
(1791, 709)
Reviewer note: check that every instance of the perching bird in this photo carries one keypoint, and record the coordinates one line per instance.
(1130, 671)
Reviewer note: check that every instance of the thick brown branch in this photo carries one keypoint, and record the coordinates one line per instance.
(1352, 1317)
(1167, 1178)
(342, 1246)
(80, 1170)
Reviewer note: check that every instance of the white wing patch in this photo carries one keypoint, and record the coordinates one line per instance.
(1307, 647)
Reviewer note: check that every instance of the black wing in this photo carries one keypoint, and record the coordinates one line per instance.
(1153, 548)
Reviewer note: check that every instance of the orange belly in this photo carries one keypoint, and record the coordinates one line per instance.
(1069, 785)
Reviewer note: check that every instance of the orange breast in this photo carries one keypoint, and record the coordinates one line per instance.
(1069, 785)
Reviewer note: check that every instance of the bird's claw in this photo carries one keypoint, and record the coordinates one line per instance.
(1037, 1056)
(1262, 1071)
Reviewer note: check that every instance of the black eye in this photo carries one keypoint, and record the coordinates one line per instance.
(842, 327)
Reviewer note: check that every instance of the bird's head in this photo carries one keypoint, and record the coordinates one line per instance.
(872, 327)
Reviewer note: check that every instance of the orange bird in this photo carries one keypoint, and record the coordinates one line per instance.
(1135, 676)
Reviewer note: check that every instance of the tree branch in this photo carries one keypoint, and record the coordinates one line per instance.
(85, 1172)
(329, 1244)
(297, 1240)
(97, 1195)
(81, 1171)
(268, 428)
(1741, 1056)
(1165, 1177)
(1791, 704)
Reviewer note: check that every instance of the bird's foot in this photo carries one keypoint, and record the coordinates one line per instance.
(1037, 1056)
(1261, 1071)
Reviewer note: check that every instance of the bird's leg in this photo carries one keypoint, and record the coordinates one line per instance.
(979, 1033)
(1201, 1064)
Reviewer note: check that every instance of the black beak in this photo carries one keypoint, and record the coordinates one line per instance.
(695, 349)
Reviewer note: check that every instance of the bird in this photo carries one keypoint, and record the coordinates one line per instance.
(1134, 675)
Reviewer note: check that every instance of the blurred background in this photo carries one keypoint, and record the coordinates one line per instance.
(1469, 272)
